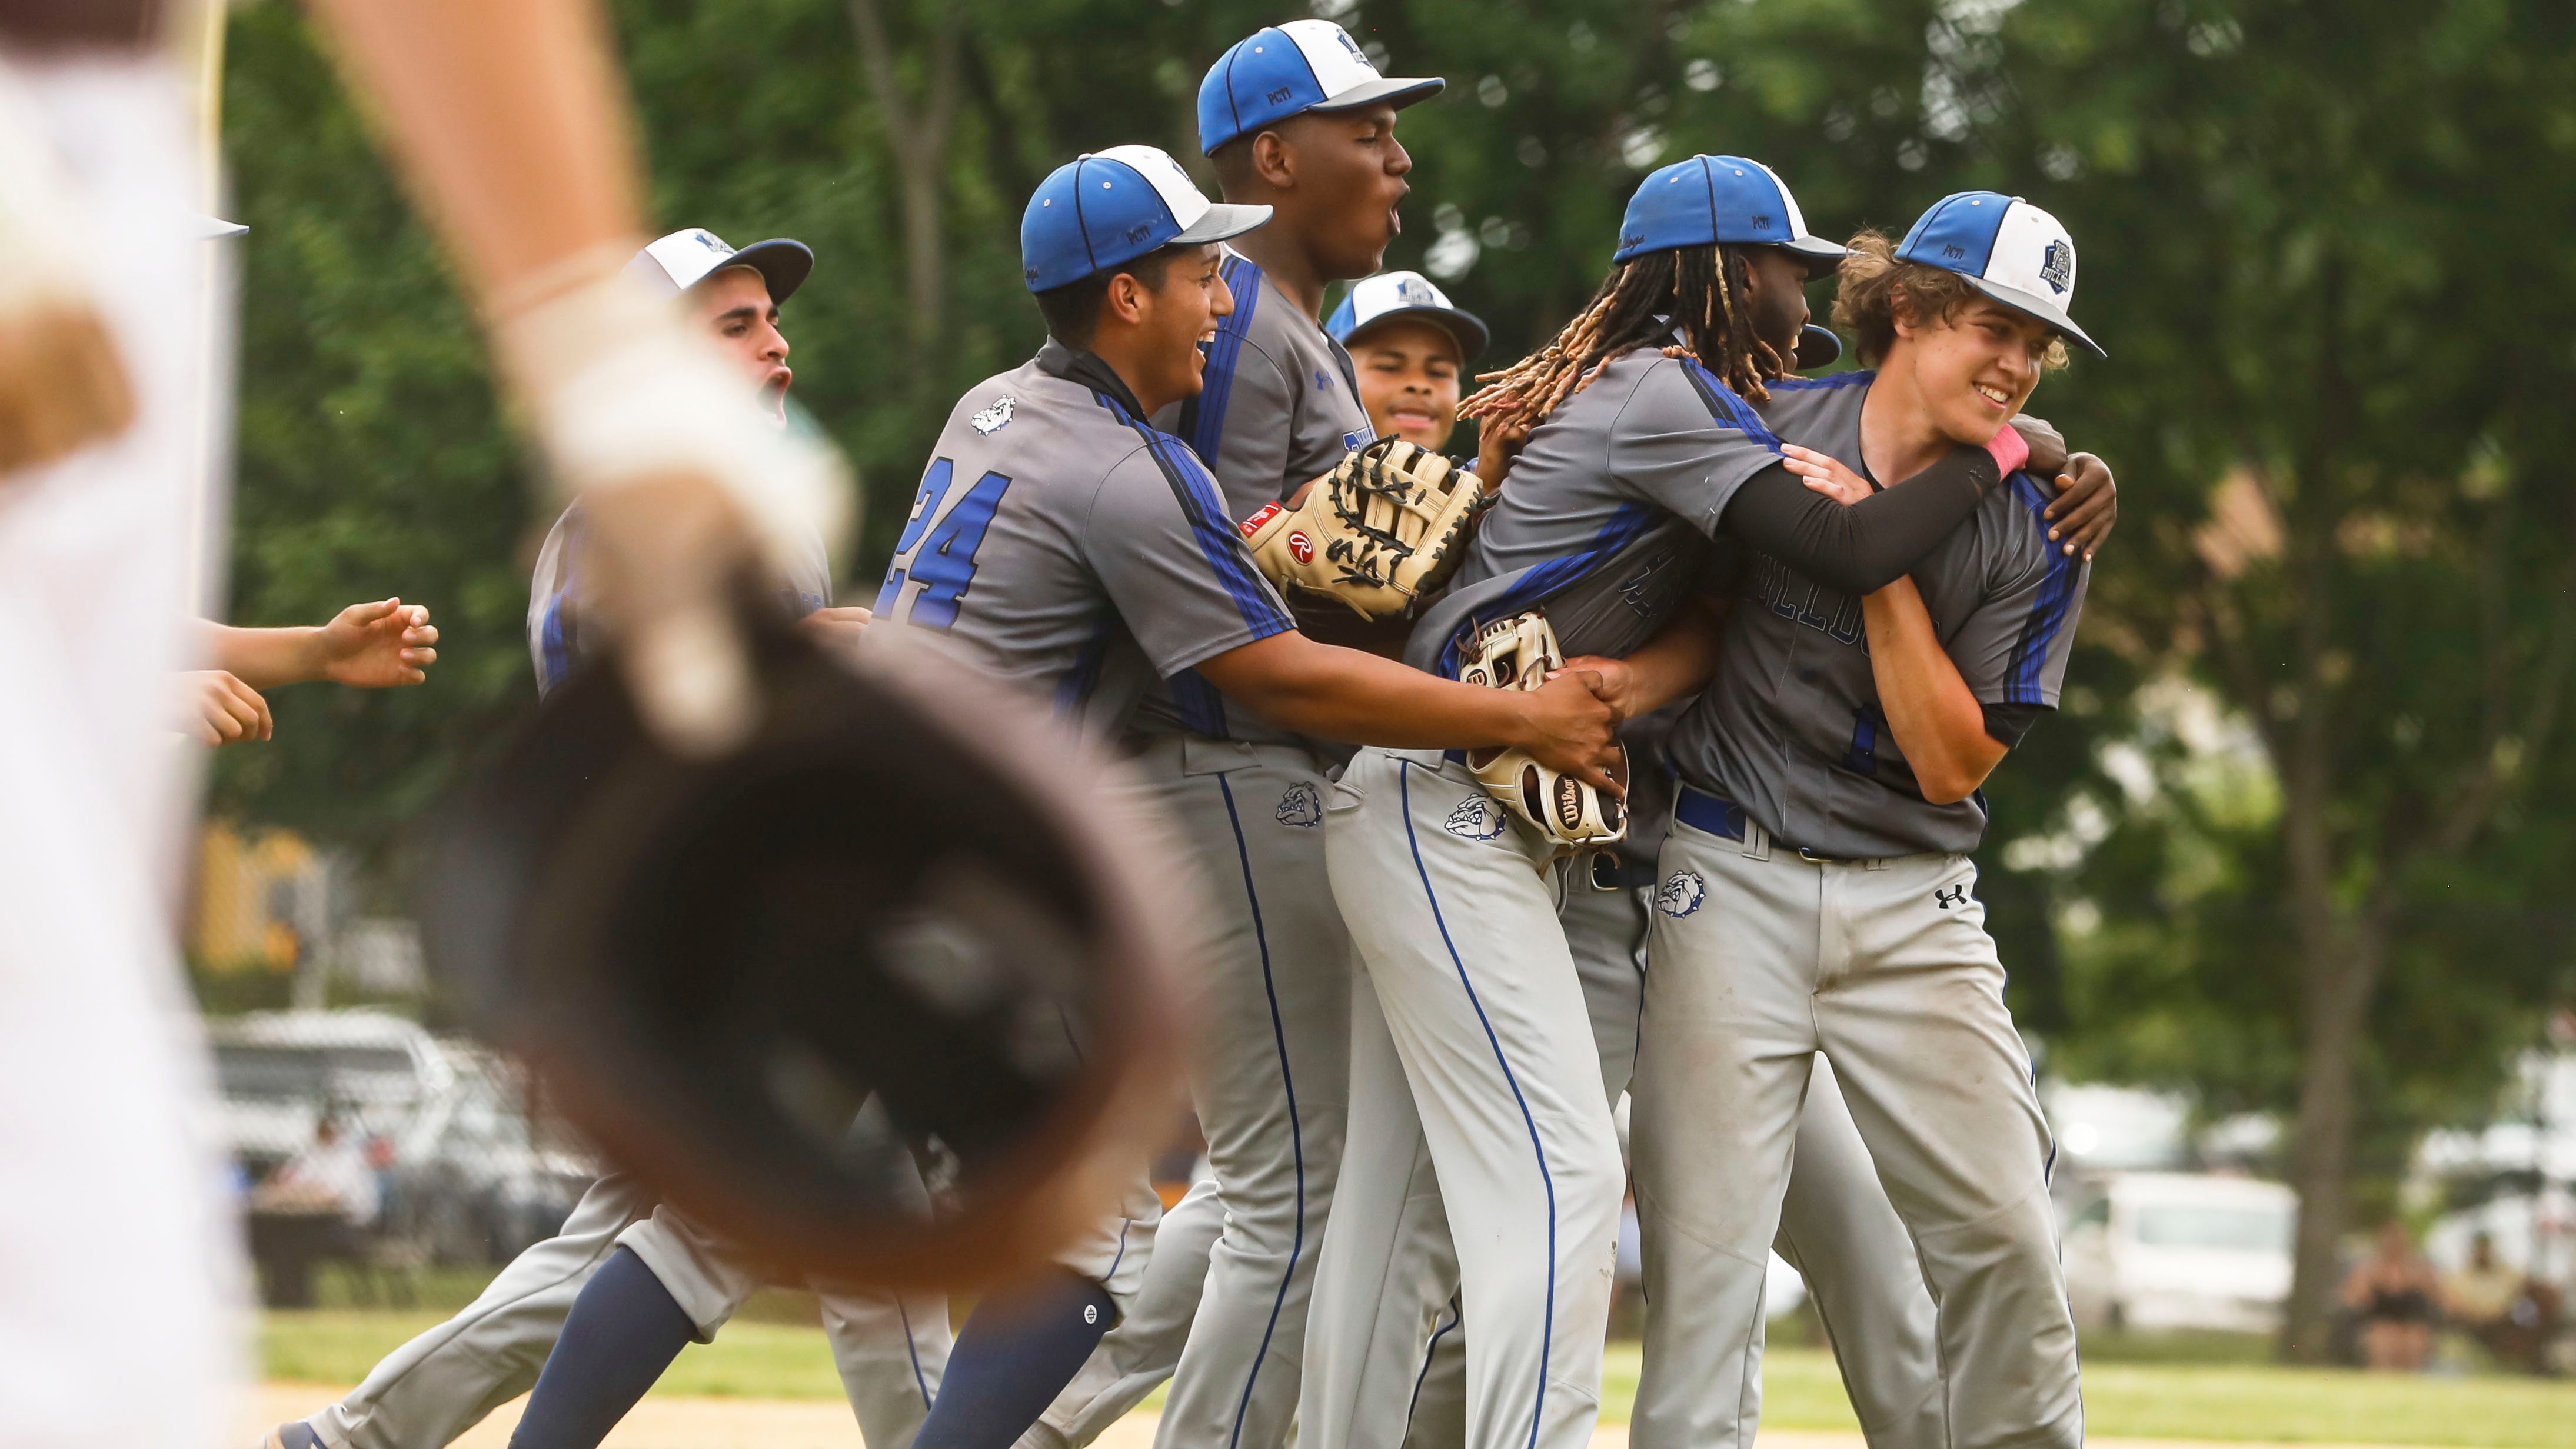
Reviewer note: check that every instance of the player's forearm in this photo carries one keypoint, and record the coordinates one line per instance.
(1935, 717)
(510, 120)
(1361, 699)
(1864, 546)
(267, 658)
(1679, 661)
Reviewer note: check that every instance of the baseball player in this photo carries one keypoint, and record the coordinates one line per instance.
(1061, 542)
(1605, 529)
(1410, 347)
(1817, 893)
(103, 347)
(1386, 1346)
(1296, 119)
(379, 645)
(890, 1350)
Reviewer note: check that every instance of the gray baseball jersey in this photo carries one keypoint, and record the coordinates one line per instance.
(556, 643)
(1791, 728)
(1607, 518)
(1062, 543)
(1278, 406)
(1608, 515)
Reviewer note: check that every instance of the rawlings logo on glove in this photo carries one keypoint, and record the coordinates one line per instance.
(1520, 653)
(1379, 532)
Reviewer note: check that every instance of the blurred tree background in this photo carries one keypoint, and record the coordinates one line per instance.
(2289, 845)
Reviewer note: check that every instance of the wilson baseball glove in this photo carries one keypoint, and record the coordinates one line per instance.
(1386, 527)
(1519, 653)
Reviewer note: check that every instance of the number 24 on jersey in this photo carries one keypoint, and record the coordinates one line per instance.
(937, 549)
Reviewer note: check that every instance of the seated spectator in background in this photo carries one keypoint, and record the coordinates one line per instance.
(333, 1174)
(2396, 1293)
(2478, 1296)
(2510, 1314)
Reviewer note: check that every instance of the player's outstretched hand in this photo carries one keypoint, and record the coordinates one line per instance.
(1825, 474)
(2087, 504)
(1572, 729)
(380, 645)
(219, 709)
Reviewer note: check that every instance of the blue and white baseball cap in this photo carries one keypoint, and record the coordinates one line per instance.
(1113, 206)
(1285, 70)
(2013, 251)
(1710, 199)
(677, 262)
(1389, 295)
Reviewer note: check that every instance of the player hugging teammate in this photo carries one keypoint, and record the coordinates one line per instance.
(1827, 622)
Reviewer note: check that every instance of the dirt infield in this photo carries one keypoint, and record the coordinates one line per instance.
(667, 1422)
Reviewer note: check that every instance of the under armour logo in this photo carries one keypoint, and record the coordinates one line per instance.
(1948, 896)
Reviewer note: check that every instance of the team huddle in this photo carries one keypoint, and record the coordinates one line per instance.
(1595, 811)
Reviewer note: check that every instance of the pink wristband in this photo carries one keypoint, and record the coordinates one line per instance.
(2010, 448)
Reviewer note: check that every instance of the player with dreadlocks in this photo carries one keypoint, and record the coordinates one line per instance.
(1699, 293)
(1606, 533)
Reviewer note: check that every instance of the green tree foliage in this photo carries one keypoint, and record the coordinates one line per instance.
(2300, 816)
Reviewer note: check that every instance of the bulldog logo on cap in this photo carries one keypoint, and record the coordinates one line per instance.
(2057, 265)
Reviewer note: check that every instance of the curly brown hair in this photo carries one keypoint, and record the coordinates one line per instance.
(1877, 288)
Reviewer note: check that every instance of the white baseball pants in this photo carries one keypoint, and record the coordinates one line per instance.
(1269, 1074)
(1760, 959)
(1386, 1349)
(1455, 919)
(121, 1280)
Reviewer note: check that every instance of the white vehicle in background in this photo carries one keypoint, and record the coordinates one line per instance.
(2165, 1250)
(467, 1178)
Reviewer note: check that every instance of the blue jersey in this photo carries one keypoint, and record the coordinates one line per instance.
(556, 643)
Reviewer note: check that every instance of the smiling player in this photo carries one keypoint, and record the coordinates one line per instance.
(1817, 889)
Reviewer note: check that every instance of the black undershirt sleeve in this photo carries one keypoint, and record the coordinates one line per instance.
(1862, 547)
(2007, 723)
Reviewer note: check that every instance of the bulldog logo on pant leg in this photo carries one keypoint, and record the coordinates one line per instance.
(1681, 894)
(1477, 818)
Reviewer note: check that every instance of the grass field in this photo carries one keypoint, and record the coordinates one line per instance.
(1801, 1390)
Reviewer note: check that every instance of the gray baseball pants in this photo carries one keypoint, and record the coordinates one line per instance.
(1269, 1076)
(1138, 1356)
(1454, 912)
(1386, 1363)
(1760, 960)
(890, 1349)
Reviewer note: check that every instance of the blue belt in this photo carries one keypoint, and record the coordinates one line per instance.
(1725, 819)
(1701, 810)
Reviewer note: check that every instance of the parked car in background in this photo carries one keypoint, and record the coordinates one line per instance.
(2166, 1250)
(464, 1177)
